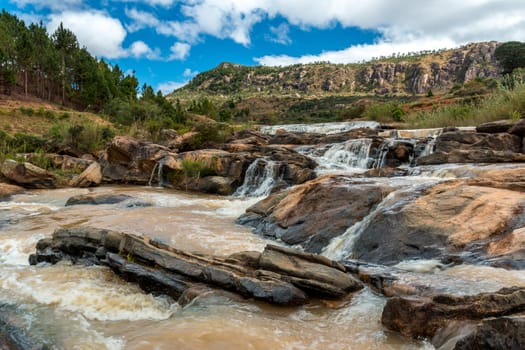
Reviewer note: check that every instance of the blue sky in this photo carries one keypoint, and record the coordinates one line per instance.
(166, 42)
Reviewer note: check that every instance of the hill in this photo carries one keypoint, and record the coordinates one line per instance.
(325, 91)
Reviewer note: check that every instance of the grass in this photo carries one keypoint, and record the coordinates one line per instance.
(502, 104)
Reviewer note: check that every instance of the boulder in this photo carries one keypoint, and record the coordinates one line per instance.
(96, 199)
(216, 185)
(495, 127)
(7, 190)
(128, 160)
(90, 177)
(424, 316)
(464, 140)
(27, 175)
(427, 223)
(277, 275)
(496, 334)
(313, 213)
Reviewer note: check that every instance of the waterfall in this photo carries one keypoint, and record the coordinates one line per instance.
(321, 128)
(158, 166)
(261, 177)
(349, 155)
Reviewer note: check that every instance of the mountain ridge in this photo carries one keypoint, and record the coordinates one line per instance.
(398, 74)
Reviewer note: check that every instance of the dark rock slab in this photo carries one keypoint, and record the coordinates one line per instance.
(96, 199)
(471, 156)
(278, 275)
(496, 126)
(423, 316)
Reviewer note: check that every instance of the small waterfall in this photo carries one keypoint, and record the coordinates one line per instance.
(352, 153)
(158, 167)
(341, 246)
(261, 177)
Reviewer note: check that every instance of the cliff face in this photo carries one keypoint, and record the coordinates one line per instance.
(403, 75)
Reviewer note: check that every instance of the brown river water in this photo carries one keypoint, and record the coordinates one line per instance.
(76, 307)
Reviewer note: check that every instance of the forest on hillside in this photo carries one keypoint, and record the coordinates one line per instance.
(54, 67)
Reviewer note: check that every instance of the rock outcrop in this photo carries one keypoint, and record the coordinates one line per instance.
(434, 70)
(90, 177)
(313, 213)
(449, 217)
(277, 275)
(423, 317)
(27, 175)
(7, 190)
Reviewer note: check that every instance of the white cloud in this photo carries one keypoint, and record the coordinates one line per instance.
(141, 20)
(188, 73)
(100, 33)
(141, 49)
(357, 53)
(432, 22)
(179, 51)
(170, 86)
(154, 3)
(281, 34)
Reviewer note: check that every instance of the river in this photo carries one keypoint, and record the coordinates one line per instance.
(77, 307)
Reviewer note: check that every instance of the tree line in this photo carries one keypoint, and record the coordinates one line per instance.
(54, 67)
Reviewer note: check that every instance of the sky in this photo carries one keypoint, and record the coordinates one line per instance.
(167, 42)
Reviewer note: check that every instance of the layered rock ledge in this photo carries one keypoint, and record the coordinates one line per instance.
(278, 275)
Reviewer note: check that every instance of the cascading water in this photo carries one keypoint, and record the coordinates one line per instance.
(260, 178)
(158, 167)
(322, 128)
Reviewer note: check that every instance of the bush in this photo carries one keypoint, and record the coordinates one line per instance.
(511, 55)
(384, 112)
(86, 137)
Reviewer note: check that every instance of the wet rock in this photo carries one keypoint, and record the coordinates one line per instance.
(496, 334)
(96, 199)
(446, 217)
(27, 175)
(309, 272)
(128, 160)
(13, 333)
(216, 185)
(90, 177)
(313, 213)
(278, 275)
(7, 190)
(384, 172)
(424, 316)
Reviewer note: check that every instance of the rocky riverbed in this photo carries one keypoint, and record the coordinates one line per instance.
(368, 213)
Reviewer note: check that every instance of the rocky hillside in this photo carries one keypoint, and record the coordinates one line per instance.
(412, 74)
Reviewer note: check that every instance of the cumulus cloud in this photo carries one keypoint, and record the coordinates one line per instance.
(170, 86)
(100, 33)
(141, 49)
(179, 51)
